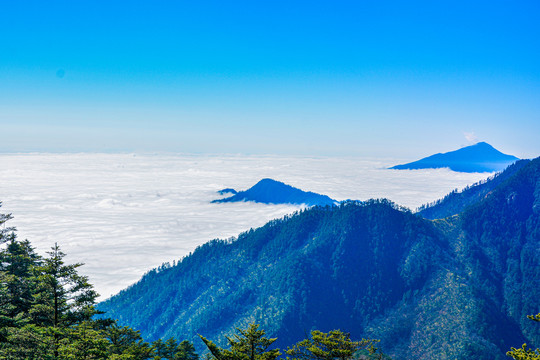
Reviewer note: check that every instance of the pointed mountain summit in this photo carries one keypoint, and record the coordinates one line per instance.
(269, 191)
(480, 157)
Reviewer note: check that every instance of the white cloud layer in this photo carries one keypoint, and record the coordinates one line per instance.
(123, 214)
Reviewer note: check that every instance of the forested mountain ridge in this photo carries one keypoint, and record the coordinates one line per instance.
(285, 272)
(457, 201)
(447, 289)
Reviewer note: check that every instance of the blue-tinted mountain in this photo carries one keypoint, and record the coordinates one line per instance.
(480, 157)
(227, 191)
(457, 201)
(270, 191)
(457, 288)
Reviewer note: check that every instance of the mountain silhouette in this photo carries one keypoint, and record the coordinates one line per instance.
(270, 191)
(480, 157)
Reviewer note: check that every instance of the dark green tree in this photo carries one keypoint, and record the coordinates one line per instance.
(525, 353)
(28, 342)
(17, 263)
(172, 350)
(187, 351)
(334, 345)
(249, 344)
(5, 232)
(47, 310)
(84, 342)
(17, 284)
(126, 343)
(63, 297)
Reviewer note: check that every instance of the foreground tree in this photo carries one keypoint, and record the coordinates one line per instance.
(17, 261)
(173, 350)
(47, 312)
(5, 232)
(249, 344)
(84, 342)
(126, 343)
(524, 353)
(334, 345)
(63, 297)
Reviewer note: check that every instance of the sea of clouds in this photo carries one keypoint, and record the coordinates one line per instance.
(124, 214)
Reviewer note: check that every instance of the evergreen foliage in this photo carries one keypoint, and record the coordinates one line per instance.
(248, 344)
(525, 353)
(334, 345)
(457, 201)
(47, 312)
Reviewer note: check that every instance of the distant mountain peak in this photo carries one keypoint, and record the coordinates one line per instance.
(270, 182)
(227, 191)
(270, 191)
(480, 157)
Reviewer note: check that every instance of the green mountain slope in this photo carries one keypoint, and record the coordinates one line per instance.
(457, 201)
(445, 289)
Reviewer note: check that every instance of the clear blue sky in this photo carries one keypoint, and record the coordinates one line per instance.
(293, 77)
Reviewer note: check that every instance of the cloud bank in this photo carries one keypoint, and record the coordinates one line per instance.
(124, 214)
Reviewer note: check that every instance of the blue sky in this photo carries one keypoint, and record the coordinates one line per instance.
(316, 78)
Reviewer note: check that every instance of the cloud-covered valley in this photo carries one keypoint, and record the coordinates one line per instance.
(124, 214)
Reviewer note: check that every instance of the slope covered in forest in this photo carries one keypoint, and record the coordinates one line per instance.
(457, 201)
(446, 289)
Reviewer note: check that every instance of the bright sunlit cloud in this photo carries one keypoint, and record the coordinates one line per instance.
(471, 137)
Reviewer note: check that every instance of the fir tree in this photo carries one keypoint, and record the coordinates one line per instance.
(249, 344)
(334, 345)
(63, 297)
(525, 353)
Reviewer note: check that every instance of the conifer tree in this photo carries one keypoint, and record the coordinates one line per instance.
(525, 353)
(5, 232)
(17, 263)
(47, 309)
(249, 344)
(173, 350)
(334, 345)
(63, 297)
(84, 342)
(126, 343)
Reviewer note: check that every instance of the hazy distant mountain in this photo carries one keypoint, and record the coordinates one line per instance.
(270, 191)
(457, 288)
(227, 191)
(480, 157)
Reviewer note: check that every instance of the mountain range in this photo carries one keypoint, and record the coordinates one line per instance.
(480, 157)
(428, 286)
(269, 191)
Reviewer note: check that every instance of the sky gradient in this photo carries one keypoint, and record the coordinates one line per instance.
(318, 78)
